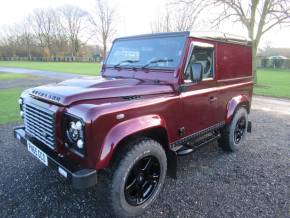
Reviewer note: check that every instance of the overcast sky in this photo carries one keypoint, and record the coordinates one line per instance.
(134, 16)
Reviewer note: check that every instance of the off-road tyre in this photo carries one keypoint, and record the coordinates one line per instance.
(230, 139)
(136, 152)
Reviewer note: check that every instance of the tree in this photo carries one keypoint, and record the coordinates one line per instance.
(162, 23)
(44, 25)
(178, 17)
(73, 21)
(103, 20)
(27, 36)
(257, 16)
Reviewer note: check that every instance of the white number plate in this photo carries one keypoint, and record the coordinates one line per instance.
(37, 153)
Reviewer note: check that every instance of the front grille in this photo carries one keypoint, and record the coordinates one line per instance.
(39, 123)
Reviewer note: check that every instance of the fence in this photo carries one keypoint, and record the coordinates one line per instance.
(261, 62)
(273, 63)
(53, 59)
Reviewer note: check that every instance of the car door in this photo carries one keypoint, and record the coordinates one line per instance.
(199, 95)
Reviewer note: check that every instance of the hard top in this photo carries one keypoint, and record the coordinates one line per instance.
(211, 35)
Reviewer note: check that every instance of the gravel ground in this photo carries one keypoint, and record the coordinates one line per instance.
(254, 182)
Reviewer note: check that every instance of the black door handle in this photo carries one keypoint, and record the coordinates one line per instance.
(212, 99)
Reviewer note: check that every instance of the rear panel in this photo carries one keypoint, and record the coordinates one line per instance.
(234, 61)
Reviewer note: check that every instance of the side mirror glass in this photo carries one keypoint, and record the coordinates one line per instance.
(196, 72)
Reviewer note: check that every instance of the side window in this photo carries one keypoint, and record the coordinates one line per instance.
(203, 57)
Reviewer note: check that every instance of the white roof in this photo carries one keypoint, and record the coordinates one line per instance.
(220, 36)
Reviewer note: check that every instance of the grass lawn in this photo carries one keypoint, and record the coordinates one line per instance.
(65, 67)
(9, 108)
(12, 76)
(274, 83)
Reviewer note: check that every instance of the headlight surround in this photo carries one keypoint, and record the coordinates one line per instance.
(74, 134)
(20, 102)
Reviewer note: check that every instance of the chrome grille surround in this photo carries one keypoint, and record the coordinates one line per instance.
(39, 123)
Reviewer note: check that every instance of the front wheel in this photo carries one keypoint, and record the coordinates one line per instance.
(234, 133)
(138, 178)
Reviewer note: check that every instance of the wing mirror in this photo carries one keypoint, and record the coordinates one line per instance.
(196, 72)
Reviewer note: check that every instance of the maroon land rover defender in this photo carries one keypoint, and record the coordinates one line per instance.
(159, 96)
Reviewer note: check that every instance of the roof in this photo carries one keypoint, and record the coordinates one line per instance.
(212, 35)
(220, 36)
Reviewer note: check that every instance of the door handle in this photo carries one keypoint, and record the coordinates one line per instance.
(212, 99)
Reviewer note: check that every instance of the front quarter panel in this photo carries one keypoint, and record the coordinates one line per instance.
(122, 130)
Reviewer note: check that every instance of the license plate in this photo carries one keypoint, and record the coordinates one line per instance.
(39, 154)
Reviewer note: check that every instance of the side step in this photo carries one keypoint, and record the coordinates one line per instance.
(190, 148)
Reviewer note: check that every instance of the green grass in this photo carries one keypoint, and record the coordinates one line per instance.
(274, 83)
(9, 108)
(65, 67)
(13, 76)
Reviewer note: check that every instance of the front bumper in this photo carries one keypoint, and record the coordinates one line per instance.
(79, 178)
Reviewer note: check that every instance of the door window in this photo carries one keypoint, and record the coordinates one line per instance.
(201, 56)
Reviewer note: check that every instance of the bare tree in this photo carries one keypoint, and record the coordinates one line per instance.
(257, 16)
(178, 17)
(103, 20)
(9, 41)
(162, 23)
(27, 36)
(44, 26)
(73, 22)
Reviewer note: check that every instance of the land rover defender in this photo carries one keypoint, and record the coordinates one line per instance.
(158, 96)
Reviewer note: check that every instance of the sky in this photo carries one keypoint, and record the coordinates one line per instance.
(134, 17)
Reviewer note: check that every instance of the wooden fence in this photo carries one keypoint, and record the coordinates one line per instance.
(53, 59)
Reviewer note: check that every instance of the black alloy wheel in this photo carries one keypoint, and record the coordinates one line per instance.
(142, 180)
(240, 130)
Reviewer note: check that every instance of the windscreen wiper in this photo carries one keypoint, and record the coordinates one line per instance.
(125, 61)
(157, 61)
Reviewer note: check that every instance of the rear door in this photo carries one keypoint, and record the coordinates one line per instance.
(200, 98)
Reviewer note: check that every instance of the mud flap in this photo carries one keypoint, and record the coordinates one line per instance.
(171, 163)
(249, 129)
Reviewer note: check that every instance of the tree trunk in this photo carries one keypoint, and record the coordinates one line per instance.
(104, 50)
(254, 62)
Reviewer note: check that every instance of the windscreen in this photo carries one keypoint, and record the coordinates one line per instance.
(151, 52)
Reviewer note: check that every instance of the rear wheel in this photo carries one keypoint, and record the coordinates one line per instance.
(234, 133)
(138, 178)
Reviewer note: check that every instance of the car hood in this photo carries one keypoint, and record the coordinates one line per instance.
(70, 91)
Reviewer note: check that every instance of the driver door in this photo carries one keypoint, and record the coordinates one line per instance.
(199, 97)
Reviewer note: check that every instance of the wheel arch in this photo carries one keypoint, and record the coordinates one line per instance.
(235, 103)
(149, 126)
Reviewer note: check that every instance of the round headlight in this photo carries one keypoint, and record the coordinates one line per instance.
(73, 132)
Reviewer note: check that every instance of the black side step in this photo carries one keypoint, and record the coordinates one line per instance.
(188, 149)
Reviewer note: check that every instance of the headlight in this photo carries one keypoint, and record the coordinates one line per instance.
(74, 134)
